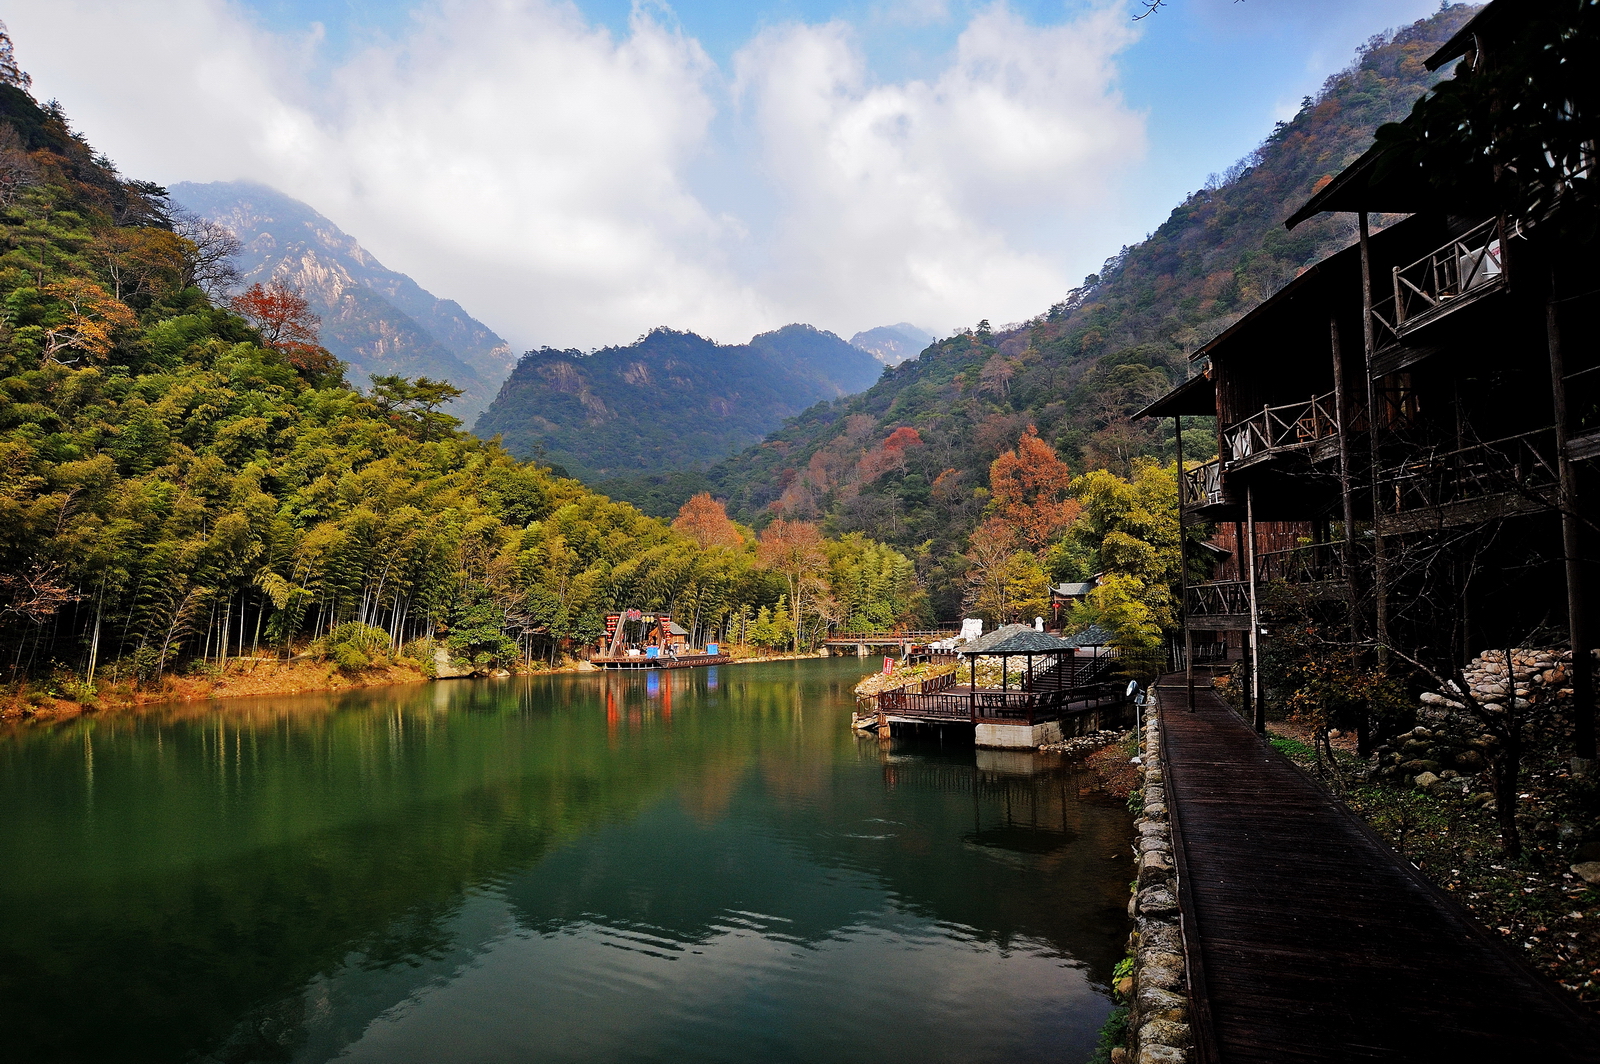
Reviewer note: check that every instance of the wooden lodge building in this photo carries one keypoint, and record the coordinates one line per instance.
(1407, 432)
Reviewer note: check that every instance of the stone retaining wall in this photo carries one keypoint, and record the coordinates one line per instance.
(1158, 1021)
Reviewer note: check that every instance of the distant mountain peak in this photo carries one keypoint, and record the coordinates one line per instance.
(373, 318)
(893, 344)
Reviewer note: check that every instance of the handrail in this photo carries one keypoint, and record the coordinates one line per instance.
(1472, 263)
(1524, 464)
(1202, 485)
(1276, 428)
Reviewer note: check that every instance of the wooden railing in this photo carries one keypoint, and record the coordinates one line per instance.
(890, 637)
(1000, 707)
(1314, 563)
(1310, 564)
(1522, 465)
(1202, 485)
(1280, 428)
(1470, 265)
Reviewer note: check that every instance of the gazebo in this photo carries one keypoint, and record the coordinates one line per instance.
(1014, 641)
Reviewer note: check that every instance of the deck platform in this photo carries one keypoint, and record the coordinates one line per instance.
(1311, 941)
(640, 663)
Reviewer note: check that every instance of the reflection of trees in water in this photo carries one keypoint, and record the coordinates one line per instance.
(231, 860)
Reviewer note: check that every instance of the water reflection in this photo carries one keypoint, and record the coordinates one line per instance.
(667, 866)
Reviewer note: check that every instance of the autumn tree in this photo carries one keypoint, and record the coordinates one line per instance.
(88, 319)
(793, 549)
(705, 520)
(284, 318)
(1031, 492)
(1003, 584)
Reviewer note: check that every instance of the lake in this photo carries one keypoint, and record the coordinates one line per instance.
(705, 865)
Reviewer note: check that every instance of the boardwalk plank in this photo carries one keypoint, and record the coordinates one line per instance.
(1313, 942)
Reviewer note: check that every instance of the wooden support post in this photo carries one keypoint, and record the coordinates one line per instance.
(1374, 419)
(1183, 568)
(1341, 413)
(1255, 614)
(1572, 544)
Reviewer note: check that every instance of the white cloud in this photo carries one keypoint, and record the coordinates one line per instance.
(933, 190)
(543, 172)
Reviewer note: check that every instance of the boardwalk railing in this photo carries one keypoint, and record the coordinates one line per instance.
(1471, 265)
(999, 707)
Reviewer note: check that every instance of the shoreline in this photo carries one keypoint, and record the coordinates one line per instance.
(294, 677)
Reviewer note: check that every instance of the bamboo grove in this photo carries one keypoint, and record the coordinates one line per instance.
(180, 486)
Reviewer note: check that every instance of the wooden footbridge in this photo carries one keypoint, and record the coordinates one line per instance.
(1309, 940)
(867, 642)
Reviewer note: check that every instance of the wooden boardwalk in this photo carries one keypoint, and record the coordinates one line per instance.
(1310, 940)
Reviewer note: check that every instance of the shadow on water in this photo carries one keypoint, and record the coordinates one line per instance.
(696, 865)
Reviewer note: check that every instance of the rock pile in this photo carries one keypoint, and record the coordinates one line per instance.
(1082, 744)
(1158, 1020)
(1450, 748)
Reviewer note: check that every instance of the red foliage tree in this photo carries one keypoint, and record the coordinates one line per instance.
(287, 325)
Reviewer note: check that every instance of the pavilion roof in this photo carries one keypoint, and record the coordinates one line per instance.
(1018, 639)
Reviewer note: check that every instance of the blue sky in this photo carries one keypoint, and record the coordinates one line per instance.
(727, 167)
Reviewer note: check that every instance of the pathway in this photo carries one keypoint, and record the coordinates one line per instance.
(1310, 940)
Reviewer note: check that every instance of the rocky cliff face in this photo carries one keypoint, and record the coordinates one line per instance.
(373, 318)
(893, 344)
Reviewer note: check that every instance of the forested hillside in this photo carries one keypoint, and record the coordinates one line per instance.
(669, 401)
(1078, 370)
(375, 320)
(179, 488)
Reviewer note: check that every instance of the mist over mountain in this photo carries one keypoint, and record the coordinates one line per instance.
(893, 344)
(669, 401)
(375, 319)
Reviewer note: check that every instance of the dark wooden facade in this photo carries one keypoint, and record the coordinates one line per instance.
(1418, 409)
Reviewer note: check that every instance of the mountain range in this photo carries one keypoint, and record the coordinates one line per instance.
(1078, 370)
(374, 319)
(668, 401)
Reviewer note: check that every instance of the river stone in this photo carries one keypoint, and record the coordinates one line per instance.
(1151, 829)
(1155, 794)
(1166, 980)
(1166, 939)
(1155, 1003)
(1588, 871)
(1164, 1033)
(1159, 1054)
(1156, 863)
(1156, 901)
(1425, 780)
(1155, 809)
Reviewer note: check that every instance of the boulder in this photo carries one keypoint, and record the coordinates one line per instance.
(1588, 871)
(1425, 780)
(446, 669)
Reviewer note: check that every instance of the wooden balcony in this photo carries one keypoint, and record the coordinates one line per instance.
(1448, 278)
(1202, 486)
(1310, 427)
(1444, 489)
(1316, 571)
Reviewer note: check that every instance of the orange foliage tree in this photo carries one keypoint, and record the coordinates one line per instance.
(793, 549)
(704, 520)
(89, 322)
(1031, 492)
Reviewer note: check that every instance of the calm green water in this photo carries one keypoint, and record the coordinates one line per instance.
(706, 866)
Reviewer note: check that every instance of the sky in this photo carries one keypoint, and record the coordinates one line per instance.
(577, 173)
